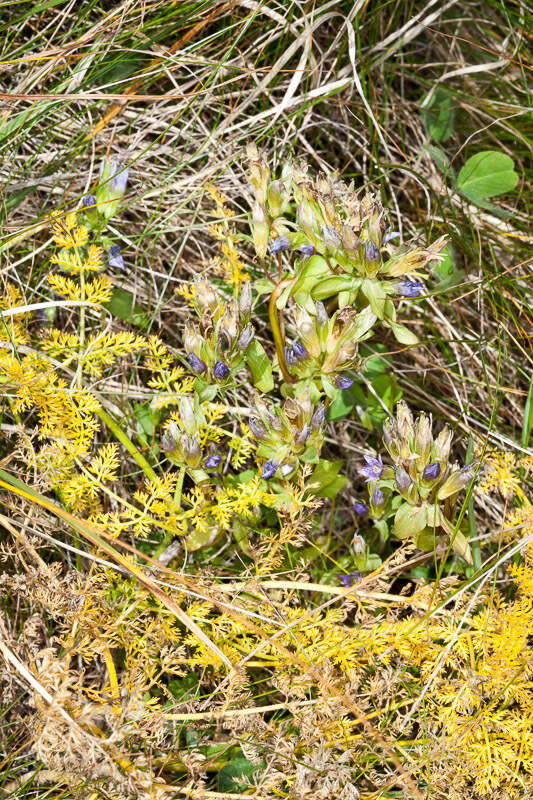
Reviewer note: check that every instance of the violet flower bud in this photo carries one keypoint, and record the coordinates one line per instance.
(407, 288)
(319, 417)
(88, 201)
(306, 250)
(114, 257)
(302, 436)
(360, 509)
(196, 364)
(290, 356)
(245, 300)
(373, 470)
(330, 237)
(300, 351)
(403, 480)
(191, 450)
(220, 371)
(431, 472)
(119, 178)
(377, 499)
(321, 313)
(212, 462)
(371, 251)
(247, 334)
(286, 469)
(343, 382)
(279, 245)
(351, 579)
(257, 427)
(269, 470)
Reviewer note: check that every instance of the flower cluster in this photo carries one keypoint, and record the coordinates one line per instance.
(344, 247)
(421, 487)
(216, 347)
(288, 436)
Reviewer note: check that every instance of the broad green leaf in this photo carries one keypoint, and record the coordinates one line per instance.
(123, 306)
(330, 286)
(260, 367)
(409, 521)
(375, 294)
(447, 270)
(238, 767)
(438, 114)
(345, 401)
(487, 174)
(403, 334)
(325, 480)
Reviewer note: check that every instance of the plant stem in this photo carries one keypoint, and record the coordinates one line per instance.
(279, 341)
(124, 439)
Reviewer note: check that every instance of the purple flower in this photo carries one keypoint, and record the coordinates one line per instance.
(351, 579)
(114, 257)
(269, 470)
(168, 443)
(343, 382)
(360, 509)
(373, 469)
(378, 498)
(88, 201)
(247, 334)
(290, 356)
(212, 462)
(197, 365)
(409, 288)
(330, 237)
(307, 250)
(403, 481)
(300, 351)
(257, 427)
(220, 371)
(371, 251)
(119, 178)
(279, 245)
(390, 235)
(432, 471)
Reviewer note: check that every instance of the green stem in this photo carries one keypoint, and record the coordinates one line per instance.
(128, 444)
(276, 331)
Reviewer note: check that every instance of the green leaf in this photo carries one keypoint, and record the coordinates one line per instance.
(331, 286)
(527, 423)
(447, 270)
(441, 160)
(264, 286)
(232, 771)
(438, 114)
(183, 687)
(375, 294)
(325, 480)
(487, 174)
(409, 521)
(260, 367)
(345, 401)
(403, 334)
(123, 306)
(146, 418)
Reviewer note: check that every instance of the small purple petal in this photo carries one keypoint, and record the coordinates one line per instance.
(88, 201)
(409, 288)
(257, 427)
(290, 356)
(279, 245)
(403, 480)
(197, 365)
(115, 258)
(300, 351)
(220, 371)
(371, 251)
(360, 509)
(319, 417)
(269, 470)
(378, 498)
(247, 334)
(351, 579)
(119, 179)
(432, 471)
(212, 462)
(390, 235)
(373, 469)
(306, 250)
(343, 382)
